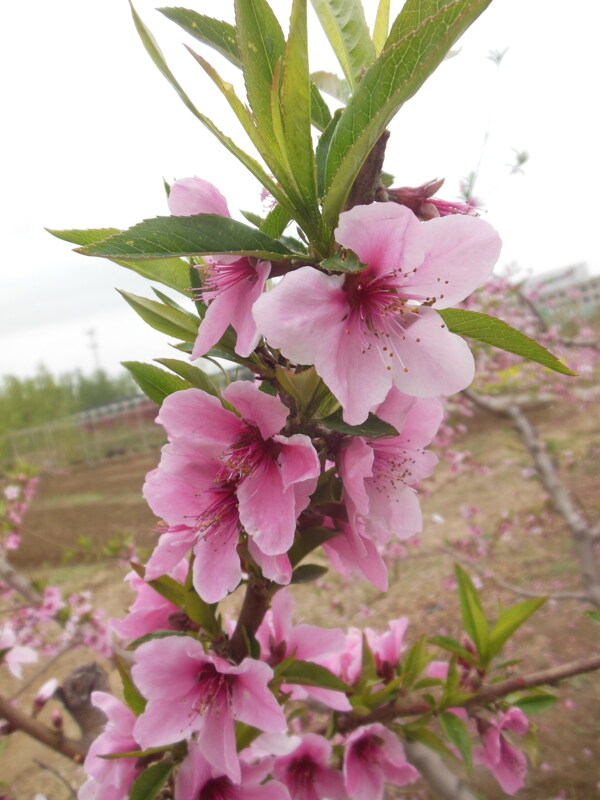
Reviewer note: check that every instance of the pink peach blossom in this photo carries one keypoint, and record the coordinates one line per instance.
(306, 771)
(505, 761)
(368, 331)
(374, 756)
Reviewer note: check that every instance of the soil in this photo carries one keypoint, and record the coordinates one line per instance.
(78, 512)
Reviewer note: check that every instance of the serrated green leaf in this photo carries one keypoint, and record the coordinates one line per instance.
(509, 621)
(498, 333)
(219, 35)
(275, 222)
(344, 260)
(171, 272)
(414, 662)
(149, 783)
(193, 375)
(163, 318)
(392, 79)
(250, 163)
(382, 23)
(306, 573)
(164, 298)
(332, 85)
(305, 673)
(202, 234)
(345, 26)
(371, 428)
(154, 382)
(472, 613)
(319, 110)
(134, 699)
(253, 219)
(322, 151)
(456, 731)
(295, 105)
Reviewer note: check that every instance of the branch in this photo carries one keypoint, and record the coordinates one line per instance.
(19, 583)
(57, 775)
(561, 498)
(485, 573)
(400, 708)
(255, 606)
(56, 740)
(434, 771)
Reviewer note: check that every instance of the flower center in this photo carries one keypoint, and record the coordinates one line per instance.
(218, 278)
(220, 519)
(217, 789)
(302, 772)
(213, 689)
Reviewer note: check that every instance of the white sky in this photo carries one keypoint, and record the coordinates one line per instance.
(90, 129)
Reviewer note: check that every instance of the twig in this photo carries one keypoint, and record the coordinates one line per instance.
(33, 678)
(485, 573)
(19, 583)
(57, 775)
(56, 740)
(255, 605)
(438, 776)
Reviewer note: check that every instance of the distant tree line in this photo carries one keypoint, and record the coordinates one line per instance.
(28, 402)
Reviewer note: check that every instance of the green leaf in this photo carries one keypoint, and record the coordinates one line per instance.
(333, 85)
(133, 698)
(171, 272)
(221, 36)
(154, 382)
(344, 260)
(245, 735)
(308, 540)
(275, 222)
(163, 318)
(472, 613)
(456, 731)
(322, 151)
(536, 703)
(509, 621)
(372, 427)
(251, 164)
(295, 104)
(452, 646)
(305, 673)
(414, 662)
(261, 45)
(149, 783)
(197, 235)
(306, 573)
(382, 23)
(344, 24)
(595, 615)
(394, 77)
(193, 375)
(499, 334)
(319, 110)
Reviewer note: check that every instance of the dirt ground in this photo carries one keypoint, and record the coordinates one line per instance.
(79, 511)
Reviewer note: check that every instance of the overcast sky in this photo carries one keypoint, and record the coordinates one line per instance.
(91, 128)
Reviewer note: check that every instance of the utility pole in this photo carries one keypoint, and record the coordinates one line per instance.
(94, 347)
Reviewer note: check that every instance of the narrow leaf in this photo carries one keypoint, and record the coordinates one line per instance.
(198, 235)
(433, 742)
(154, 382)
(394, 77)
(275, 222)
(333, 85)
(306, 573)
(307, 541)
(509, 621)
(382, 23)
(372, 427)
(171, 272)
(221, 36)
(472, 613)
(163, 318)
(452, 646)
(149, 783)
(345, 26)
(456, 731)
(536, 703)
(305, 673)
(498, 333)
(193, 375)
(133, 698)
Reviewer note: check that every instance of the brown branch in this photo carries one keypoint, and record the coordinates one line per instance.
(56, 740)
(57, 775)
(401, 708)
(255, 606)
(510, 587)
(19, 583)
(367, 182)
(562, 500)
(38, 674)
